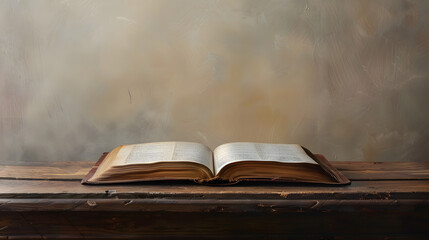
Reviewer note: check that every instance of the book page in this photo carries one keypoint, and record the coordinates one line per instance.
(245, 151)
(148, 153)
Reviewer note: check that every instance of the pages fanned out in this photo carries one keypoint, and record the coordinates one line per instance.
(246, 151)
(231, 162)
(154, 154)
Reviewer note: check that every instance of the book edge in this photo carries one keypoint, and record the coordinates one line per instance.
(319, 158)
(94, 168)
(328, 168)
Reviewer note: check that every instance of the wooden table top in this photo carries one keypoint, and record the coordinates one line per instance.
(47, 200)
(61, 180)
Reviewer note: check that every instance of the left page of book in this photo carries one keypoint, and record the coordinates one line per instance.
(148, 153)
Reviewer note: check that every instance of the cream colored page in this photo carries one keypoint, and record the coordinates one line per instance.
(110, 159)
(244, 151)
(165, 152)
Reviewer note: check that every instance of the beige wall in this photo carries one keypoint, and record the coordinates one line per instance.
(348, 79)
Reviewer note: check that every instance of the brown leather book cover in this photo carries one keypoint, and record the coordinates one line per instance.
(94, 169)
(319, 158)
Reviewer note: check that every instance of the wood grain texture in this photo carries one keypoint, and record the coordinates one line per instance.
(175, 190)
(138, 225)
(44, 170)
(384, 201)
(384, 170)
(211, 205)
(352, 170)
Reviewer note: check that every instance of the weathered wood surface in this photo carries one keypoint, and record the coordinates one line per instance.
(412, 189)
(137, 225)
(46, 201)
(209, 205)
(352, 170)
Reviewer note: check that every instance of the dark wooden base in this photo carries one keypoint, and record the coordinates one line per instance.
(234, 225)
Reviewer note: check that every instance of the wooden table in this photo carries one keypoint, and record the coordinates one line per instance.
(46, 200)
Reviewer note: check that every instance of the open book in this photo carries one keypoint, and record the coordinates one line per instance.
(231, 162)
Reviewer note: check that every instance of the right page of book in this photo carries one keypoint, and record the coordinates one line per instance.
(247, 151)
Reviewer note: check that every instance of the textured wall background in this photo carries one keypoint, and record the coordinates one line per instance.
(348, 79)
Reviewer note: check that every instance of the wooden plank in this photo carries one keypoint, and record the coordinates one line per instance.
(46, 209)
(383, 170)
(45, 170)
(355, 171)
(412, 189)
(212, 205)
(298, 225)
(15, 222)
